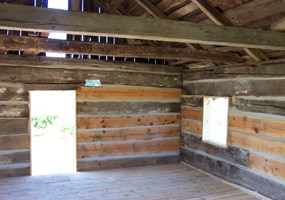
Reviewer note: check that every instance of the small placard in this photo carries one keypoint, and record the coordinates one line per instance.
(93, 83)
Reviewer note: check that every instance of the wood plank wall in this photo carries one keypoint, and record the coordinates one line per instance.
(19, 74)
(127, 126)
(255, 158)
(14, 132)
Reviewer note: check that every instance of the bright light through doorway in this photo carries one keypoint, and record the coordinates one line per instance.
(53, 143)
(63, 5)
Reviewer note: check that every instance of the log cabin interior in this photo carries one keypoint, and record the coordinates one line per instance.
(161, 64)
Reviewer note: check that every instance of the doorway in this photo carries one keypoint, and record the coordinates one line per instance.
(53, 135)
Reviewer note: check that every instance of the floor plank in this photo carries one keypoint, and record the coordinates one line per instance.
(172, 181)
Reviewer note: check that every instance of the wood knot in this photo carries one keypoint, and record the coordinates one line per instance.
(256, 130)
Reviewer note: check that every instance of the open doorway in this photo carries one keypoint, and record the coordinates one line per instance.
(53, 138)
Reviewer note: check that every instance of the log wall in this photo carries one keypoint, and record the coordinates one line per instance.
(127, 126)
(19, 74)
(255, 157)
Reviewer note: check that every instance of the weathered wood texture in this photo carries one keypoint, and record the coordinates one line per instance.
(109, 162)
(253, 88)
(171, 181)
(260, 104)
(12, 126)
(125, 126)
(14, 110)
(244, 86)
(20, 74)
(62, 76)
(88, 48)
(269, 166)
(126, 121)
(15, 156)
(106, 108)
(266, 104)
(259, 127)
(129, 93)
(98, 149)
(62, 71)
(255, 142)
(140, 133)
(136, 28)
(11, 142)
(13, 92)
(98, 65)
(234, 174)
(14, 137)
(15, 170)
(218, 18)
(231, 154)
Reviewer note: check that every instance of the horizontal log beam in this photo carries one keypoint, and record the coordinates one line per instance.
(100, 149)
(76, 47)
(124, 107)
(126, 121)
(111, 162)
(233, 173)
(86, 64)
(136, 133)
(51, 20)
(125, 93)
(231, 154)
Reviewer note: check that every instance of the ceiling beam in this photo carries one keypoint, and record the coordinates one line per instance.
(156, 13)
(151, 9)
(112, 9)
(279, 25)
(52, 20)
(77, 47)
(221, 20)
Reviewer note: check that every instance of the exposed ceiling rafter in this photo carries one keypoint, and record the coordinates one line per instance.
(135, 28)
(221, 20)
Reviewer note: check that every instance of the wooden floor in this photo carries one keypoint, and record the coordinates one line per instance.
(175, 181)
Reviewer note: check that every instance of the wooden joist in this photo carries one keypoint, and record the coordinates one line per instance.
(152, 9)
(156, 13)
(52, 20)
(77, 47)
(221, 20)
